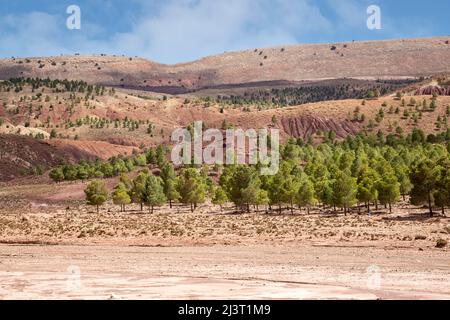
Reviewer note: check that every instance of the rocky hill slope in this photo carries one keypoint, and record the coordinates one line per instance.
(394, 59)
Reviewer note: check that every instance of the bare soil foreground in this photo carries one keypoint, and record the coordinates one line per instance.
(54, 246)
(262, 272)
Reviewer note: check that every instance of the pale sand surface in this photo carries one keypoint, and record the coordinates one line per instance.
(222, 272)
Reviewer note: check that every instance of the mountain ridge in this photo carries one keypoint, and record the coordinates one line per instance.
(382, 59)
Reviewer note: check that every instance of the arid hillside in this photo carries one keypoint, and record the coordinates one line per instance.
(135, 118)
(23, 155)
(103, 106)
(394, 59)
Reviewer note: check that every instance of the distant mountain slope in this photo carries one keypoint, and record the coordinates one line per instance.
(393, 59)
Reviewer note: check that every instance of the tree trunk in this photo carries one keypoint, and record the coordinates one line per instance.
(142, 207)
(443, 211)
(292, 208)
(170, 204)
(97, 208)
(248, 208)
(429, 204)
(152, 209)
(390, 207)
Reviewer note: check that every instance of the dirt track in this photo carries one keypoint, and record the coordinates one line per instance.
(37, 272)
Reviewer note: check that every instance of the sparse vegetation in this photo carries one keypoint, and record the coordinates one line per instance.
(441, 243)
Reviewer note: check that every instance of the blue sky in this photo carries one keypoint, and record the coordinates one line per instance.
(172, 31)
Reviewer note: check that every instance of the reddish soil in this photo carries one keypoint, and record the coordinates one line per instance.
(21, 154)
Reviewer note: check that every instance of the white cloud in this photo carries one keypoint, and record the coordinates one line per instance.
(188, 29)
(350, 13)
(180, 30)
(31, 34)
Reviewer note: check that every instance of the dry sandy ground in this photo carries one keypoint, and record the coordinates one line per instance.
(261, 272)
(53, 246)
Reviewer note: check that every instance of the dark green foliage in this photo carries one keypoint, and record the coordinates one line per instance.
(314, 92)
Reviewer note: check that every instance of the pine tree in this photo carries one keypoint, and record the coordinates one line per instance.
(442, 194)
(220, 197)
(324, 191)
(402, 173)
(424, 177)
(388, 189)
(250, 195)
(169, 179)
(263, 199)
(151, 156)
(57, 174)
(96, 193)
(276, 190)
(160, 156)
(120, 196)
(242, 186)
(137, 192)
(344, 190)
(82, 173)
(290, 186)
(53, 134)
(367, 191)
(154, 192)
(191, 188)
(306, 194)
(126, 181)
